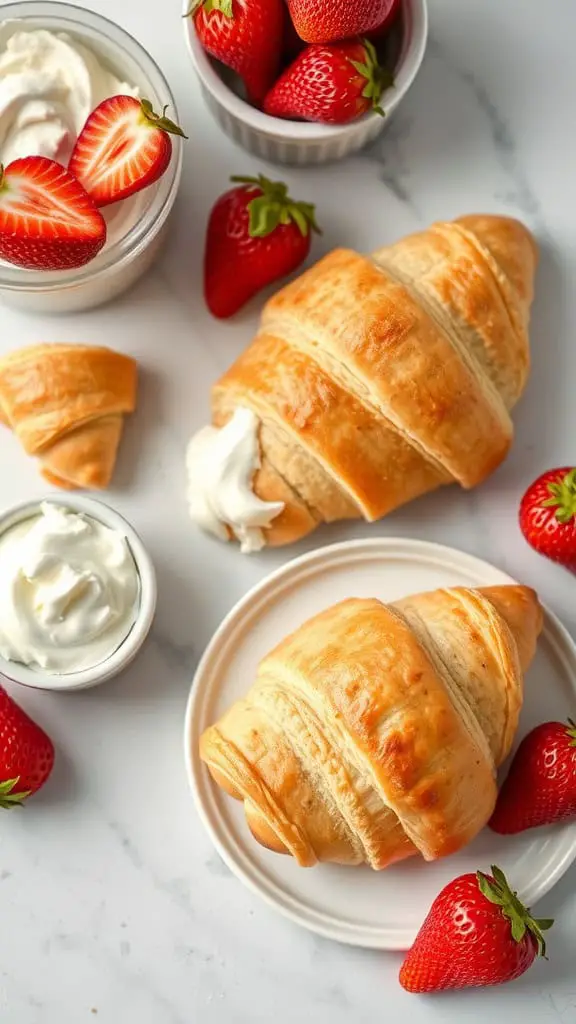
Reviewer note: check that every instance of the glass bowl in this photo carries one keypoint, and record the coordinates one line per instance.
(125, 259)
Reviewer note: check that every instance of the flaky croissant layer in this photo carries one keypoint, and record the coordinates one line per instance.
(379, 378)
(374, 731)
(66, 404)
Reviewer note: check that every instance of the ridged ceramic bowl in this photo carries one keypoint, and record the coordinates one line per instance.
(301, 142)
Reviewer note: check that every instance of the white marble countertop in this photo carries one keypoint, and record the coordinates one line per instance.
(113, 905)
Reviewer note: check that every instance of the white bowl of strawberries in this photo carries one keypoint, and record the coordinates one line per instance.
(305, 81)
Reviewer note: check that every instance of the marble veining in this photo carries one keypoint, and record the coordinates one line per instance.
(114, 905)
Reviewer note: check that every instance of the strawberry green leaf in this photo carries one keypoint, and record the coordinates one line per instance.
(571, 732)
(224, 6)
(377, 78)
(273, 206)
(8, 797)
(544, 923)
(563, 498)
(159, 120)
(498, 891)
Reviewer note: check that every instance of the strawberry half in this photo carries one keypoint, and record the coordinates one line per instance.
(26, 754)
(47, 220)
(256, 234)
(540, 788)
(477, 933)
(123, 147)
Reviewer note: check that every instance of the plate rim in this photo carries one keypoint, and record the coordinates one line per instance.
(348, 933)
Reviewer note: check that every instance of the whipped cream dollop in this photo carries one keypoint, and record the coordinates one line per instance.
(69, 591)
(221, 464)
(49, 83)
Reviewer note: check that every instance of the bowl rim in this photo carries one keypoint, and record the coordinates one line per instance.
(306, 131)
(15, 671)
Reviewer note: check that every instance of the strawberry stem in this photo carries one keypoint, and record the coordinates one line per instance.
(273, 206)
(571, 732)
(498, 891)
(377, 78)
(563, 497)
(9, 798)
(224, 6)
(159, 120)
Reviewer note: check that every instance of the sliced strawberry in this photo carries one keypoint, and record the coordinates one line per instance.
(47, 221)
(123, 147)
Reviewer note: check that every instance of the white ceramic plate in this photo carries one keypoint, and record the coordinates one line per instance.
(381, 910)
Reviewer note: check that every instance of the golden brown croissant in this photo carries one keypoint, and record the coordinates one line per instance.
(377, 379)
(374, 731)
(66, 404)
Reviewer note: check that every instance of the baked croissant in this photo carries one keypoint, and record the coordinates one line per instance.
(379, 378)
(374, 731)
(66, 404)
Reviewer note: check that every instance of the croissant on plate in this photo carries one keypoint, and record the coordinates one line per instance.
(66, 404)
(379, 378)
(374, 731)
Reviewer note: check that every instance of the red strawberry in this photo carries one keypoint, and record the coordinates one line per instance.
(540, 788)
(256, 234)
(245, 35)
(477, 932)
(377, 34)
(317, 21)
(123, 147)
(334, 84)
(26, 754)
(47, 221)
(548, 516)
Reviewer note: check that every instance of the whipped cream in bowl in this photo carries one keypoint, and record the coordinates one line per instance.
(77, 593)
(50, 82)
(57, 63)
(221, 463)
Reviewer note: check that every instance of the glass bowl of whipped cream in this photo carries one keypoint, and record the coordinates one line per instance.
(57, 63)
(77, 593)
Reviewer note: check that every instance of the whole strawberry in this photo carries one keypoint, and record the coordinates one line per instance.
(540, 788)
(477, 933)
(245, 35)
(333, 84)
(317, 21)
(26, 754)
(548, 516)
(256, 234)
(393, 12)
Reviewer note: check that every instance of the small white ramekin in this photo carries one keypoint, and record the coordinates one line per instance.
(119, 265)
(39, 679)
(301, 142)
